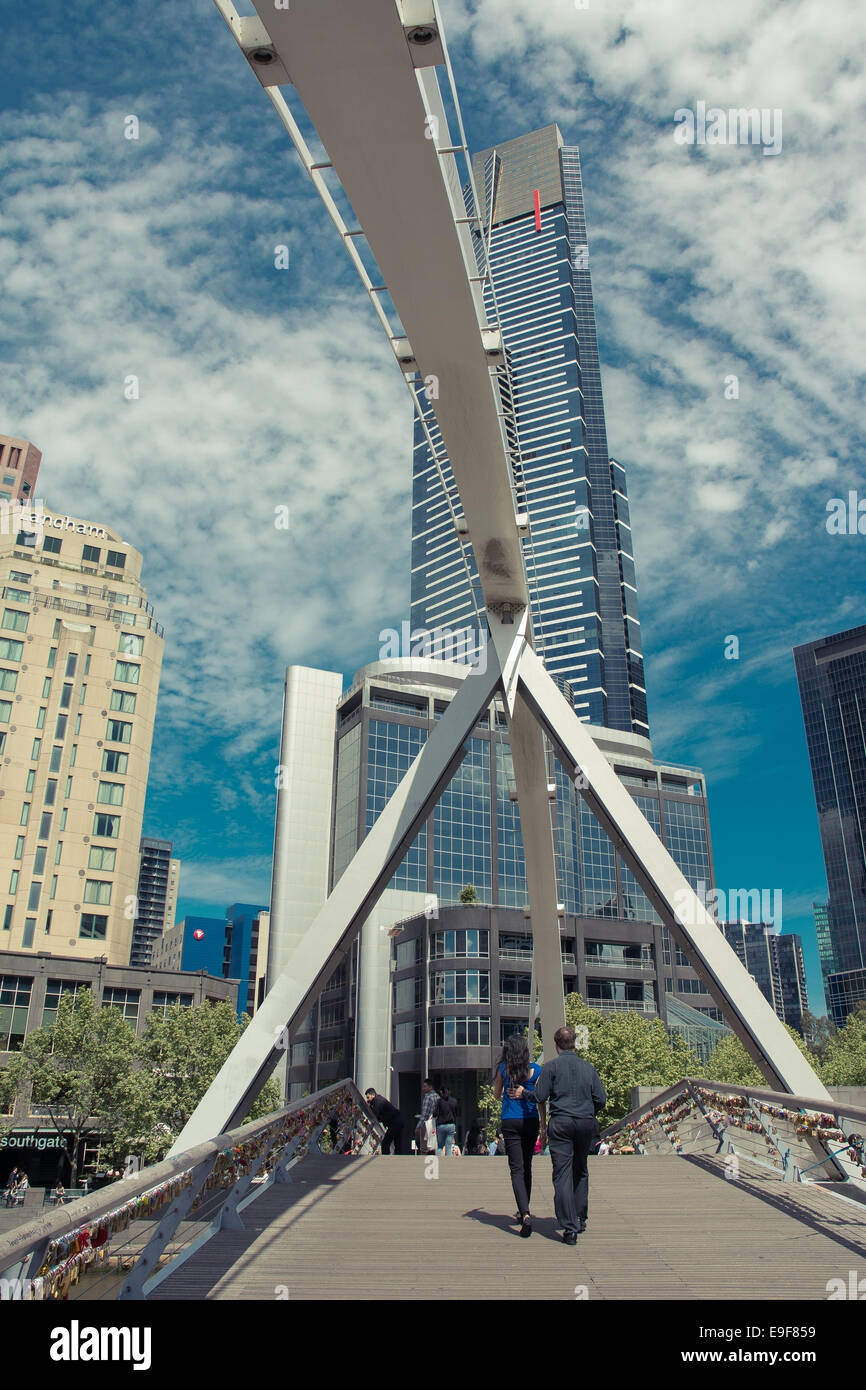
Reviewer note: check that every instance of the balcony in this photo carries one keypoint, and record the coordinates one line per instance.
(638, 1006)
(617, 963)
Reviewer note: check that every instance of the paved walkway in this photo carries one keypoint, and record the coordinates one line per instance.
(660, 1228)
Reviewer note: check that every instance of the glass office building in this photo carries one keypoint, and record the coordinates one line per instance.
(578, 554)
(832, 678)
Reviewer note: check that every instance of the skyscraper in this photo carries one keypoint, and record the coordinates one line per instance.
(578, 552)
(158, 877)
(19, 469)
(776, 965)
(832, 677)
(80, 660)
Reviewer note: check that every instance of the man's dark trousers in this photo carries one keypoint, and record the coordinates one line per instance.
(393, 1138)
(569, 1145)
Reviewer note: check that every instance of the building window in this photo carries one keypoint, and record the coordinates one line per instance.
(407, 994)
(97, 891)
(68, 791)
(52, 544)
(66, 695)
(5, 711)
(13, 882)
(31, 778)
(19, 577)
(106, 827)
(52, 657)
(87, 664)
(7, 917)
(408, 952)
(408, 1037)
(10, 650)
(53, 886)
(40, 717)
(36, 750)
(53, 991)
(45, 825)
(127, 671)
(60, 726)
(14, 1007)
(93, 927)
(115, 559)
(8, 679)
(25, 813)
(112, 761)
(71, 663)
(19, 847)
(14, 620)
(102, 858)
(29, 932)
(58, 852)
(127, 1000)
(46, 687)
(330, 1015)
(460, 1032)
(110, 793)
(130, 644)
(48, 917)
(34, 896)
(164, 1000)
(78, 723)
(123, 700)
(459, 943)
(39, 859)
(118, 732)
(16, 595)
(72, 756)
(460, 987)
(82, 694)
(91, 554)
(50, 791)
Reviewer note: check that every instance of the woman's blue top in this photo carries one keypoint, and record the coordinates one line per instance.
(523, 1109)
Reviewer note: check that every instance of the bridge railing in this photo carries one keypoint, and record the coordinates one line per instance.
(789, 1135)
(122, 1241)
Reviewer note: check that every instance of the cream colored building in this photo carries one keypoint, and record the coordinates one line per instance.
(80, 661)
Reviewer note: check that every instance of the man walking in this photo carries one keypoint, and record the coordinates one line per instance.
(576, 1095)
(389, 1116)
(426, 1131)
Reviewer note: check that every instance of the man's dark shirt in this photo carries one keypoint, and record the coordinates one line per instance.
(572, 1086)
(384, 1111)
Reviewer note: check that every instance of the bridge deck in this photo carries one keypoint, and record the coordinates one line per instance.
(659, 1228)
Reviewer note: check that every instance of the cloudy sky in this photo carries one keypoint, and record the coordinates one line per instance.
(154, 257)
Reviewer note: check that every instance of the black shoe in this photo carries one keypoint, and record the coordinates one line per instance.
(526, 1225)
(569, 1237)
(581, 1225)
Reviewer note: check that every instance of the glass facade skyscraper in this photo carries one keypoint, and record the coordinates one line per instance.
(832, 677)
(578, 553)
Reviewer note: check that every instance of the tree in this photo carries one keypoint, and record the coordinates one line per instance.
(627, 1049)
(183, 1049)
(817, 1032)
(468, 894)
(79, 1068)
(730, 1062)
(844, 1062)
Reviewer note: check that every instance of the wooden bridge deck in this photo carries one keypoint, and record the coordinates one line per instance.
(659, 1228)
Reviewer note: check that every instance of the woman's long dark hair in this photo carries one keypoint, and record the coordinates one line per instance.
(515, 1058)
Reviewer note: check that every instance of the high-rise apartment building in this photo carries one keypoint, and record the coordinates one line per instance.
(158, 877)
(831, 673)
(80, 660)
(775, 963)
(578, 553)
(235, 947)
(19, 469)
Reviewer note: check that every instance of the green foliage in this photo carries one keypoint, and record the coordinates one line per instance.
(80, 1067)
(468, 894)
(182, 1051)
(731, 1063)
(844, 1062)
(817, 1032)
(490, 1110)
(627, 1049)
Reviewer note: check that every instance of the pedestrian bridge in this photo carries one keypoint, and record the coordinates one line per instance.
(266, 1215)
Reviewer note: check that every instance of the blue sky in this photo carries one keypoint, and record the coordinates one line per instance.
(259, 388)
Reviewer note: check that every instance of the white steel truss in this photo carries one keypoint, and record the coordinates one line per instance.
(364, 73)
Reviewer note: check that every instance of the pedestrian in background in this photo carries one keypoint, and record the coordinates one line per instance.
(521, 1120)
(445, 1115)
(389, 1116)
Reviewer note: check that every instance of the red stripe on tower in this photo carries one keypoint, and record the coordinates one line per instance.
(536, 198)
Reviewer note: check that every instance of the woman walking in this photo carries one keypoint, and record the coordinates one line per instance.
(520, 1121)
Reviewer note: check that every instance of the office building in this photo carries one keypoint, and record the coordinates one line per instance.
(578, 554)
(775, 963)
(19, 470)
(80, 659)
(831, 674)
(158, 878)
(234, 946)
(617, 953)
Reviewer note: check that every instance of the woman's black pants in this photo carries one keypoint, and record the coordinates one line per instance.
(520, 1137)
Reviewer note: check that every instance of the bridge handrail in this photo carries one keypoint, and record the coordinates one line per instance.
(45, 1248)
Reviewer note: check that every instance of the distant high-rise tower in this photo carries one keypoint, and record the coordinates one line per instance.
(776, 965)
(157, 898)
(832, 677)
(578, 554)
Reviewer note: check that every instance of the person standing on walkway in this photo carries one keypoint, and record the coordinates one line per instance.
(576, 1095)
(445, 1115)
(522, 1120)
(426, 1131)
(389, 1116)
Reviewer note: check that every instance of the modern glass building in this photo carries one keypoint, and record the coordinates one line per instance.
(832, 677)
(578, 553)
(158, 877)
(616, 952)
(775, 963)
